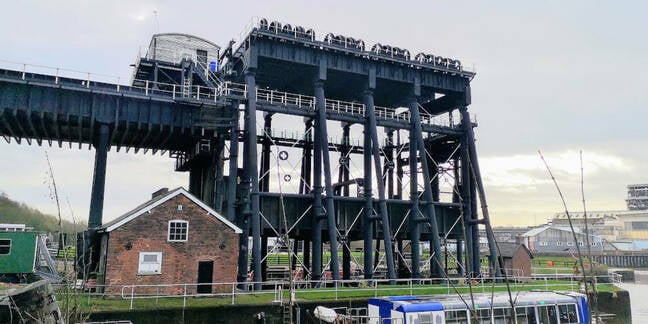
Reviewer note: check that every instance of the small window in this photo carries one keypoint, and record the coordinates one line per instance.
(593, 243)
(544, 243)
(150, 263)
(580, 243)
(567, 313)
(483, 315)
(559, 243)
(570, 243)
(178, 231)
(425, 318)
(525, 315)
(502, 316)
(458, 316)
(5, 246)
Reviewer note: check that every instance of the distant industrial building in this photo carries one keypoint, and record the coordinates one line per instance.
(555, 239)
(637, 197)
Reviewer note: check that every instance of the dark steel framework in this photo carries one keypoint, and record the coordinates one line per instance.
(193, 109)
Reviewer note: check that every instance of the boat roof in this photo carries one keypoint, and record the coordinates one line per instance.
(480, 300)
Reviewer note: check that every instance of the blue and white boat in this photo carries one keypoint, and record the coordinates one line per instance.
(531, 307)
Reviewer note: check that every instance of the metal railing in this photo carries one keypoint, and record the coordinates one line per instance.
(335, 289)
(59, 76)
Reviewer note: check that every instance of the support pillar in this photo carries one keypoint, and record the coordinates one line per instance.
(389, 156)
(399, 166)
(99, 177)
(307, 161)
(219, 188)
(264, 254)
(460, 258)
(382, 202)
(472, 264)
(233, 164)
(318, 212)
(307, 255)
(430, 213)
(326, 162)
(367, 224)
(343, 177)
(243, 217)
(264, 176)
(490, 236)
(251, 169)
(414, 219)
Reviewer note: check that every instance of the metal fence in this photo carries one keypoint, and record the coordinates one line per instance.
(335, 289)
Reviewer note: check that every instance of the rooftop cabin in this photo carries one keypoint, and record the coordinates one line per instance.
(170, 54)
(174, 47)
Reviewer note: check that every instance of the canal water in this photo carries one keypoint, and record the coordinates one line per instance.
(638, 297)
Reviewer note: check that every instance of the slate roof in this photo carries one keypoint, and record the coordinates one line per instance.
(508, 249)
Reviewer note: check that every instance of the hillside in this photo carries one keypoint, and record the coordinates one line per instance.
(19, 213)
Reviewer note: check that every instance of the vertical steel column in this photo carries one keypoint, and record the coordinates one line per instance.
(480, 189)
(460, 258)
(243, 216)
(415, 227)
(471, 264)
(389, 156)
(367, 224)
(399, 166)
(382, 202)
(99, 177)
(219, 188)
(253, 171)
(196, 177)
(326, 161)
(264, 253)
(430, 213)
(318, 212)
(233, 163)
(264, 176)
(344, 178)
(264, 183)
(307, 254)
(474, 219)
(305, 179)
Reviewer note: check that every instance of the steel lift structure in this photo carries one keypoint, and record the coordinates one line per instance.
(412, 177)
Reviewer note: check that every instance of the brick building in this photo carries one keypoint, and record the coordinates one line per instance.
(174, 238)
(517, 260)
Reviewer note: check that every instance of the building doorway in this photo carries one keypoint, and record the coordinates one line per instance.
(205, 275)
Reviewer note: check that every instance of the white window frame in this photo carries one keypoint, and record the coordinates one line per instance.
(177, 221)
(10, 243)
(570, 243)
(559, 243)
(149, 268)
(543, 243)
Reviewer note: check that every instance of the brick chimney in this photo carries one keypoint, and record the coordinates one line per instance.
(160, 192)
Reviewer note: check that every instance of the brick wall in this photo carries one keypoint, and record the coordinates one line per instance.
(522, 260)
(208, 239)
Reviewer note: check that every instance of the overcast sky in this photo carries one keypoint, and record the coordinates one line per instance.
(556, 76)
